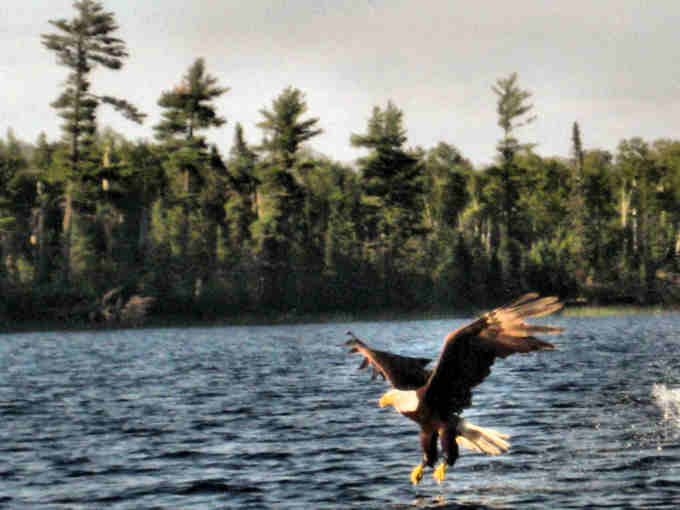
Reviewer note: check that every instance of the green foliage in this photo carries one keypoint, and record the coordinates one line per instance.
(393, 187)
(195, 175)
(392, 180)
(284, 131)
(447, 175)
(17, 193)
(280, 230)
(241, 203)
(506, 184)
(512, 109)
(81, 45)
(576, 205)
(308, 239)
(187, 110)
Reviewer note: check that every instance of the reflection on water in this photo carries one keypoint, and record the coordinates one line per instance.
(668, 401)
(279, 417)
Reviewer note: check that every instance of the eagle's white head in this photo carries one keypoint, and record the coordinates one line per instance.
(403, 401)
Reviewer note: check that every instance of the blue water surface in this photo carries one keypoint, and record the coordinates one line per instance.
(280, 417)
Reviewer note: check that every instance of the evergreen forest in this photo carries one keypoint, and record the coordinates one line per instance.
(281, 230)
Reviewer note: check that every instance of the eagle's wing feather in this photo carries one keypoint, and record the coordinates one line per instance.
(403, 372)
(469, 352)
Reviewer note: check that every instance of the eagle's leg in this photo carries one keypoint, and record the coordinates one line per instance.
(447, 437)
(428, 442)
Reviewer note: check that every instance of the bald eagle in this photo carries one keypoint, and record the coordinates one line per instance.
(436, 398)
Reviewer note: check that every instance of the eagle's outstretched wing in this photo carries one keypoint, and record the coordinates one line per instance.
(403, 372)
(468, 352)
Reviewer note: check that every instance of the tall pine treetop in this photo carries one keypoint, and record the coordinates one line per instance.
(81, 44)
(88, 33)
(187, 107)
(513, 112)
(385, 129)
(284, 130)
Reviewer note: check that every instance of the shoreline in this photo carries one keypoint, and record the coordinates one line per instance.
(269, 319)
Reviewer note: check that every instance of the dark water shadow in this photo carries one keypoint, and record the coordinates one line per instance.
(442, 503)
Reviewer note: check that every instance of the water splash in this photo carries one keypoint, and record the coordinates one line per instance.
(668, 401)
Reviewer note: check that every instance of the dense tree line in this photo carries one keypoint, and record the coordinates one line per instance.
(281, 228)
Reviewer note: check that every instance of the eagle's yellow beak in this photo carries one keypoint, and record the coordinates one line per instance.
(387, 399)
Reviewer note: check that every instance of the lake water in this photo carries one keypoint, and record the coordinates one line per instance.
(280, 417)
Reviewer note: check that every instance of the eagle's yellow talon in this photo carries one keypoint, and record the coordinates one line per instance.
(417, 474)
(440, 472)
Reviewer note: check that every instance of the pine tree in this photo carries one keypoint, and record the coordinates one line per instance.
(601, 234)
(188, 110)
(667, 156)
(577, 207)
(48, 216)
(211, 215)
(6, 217)
(242, 203)
(447, 174)
(392, 180)
(280, 231)
(281, 195)
(512, 109)
(284, 130)
(143, 181)
(639, 178)
(513, 113)
(81, 45)
(17, 195)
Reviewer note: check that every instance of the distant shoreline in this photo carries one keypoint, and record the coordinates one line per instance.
(268, 319)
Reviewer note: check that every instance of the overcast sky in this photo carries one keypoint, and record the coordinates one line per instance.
(611, 65)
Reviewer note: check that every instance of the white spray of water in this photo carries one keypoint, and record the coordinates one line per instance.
(668, 400)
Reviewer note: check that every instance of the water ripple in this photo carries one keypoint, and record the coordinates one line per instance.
(279, 417)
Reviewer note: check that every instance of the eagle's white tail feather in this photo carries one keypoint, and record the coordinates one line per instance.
(467, 444)
(482, 440)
